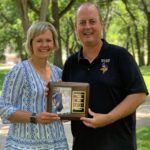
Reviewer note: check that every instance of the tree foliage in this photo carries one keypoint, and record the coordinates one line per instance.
(127, 23)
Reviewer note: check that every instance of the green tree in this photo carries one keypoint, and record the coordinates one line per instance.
(145, 7)
(124, 24)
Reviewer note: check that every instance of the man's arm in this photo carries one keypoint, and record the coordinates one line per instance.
(125, 108)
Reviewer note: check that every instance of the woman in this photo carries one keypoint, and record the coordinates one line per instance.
(23, 102)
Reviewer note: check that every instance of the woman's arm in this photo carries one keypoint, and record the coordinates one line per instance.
(25, 117)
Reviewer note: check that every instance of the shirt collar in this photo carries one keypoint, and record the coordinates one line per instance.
(80, 53)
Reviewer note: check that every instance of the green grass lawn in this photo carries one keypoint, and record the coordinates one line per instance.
(143, 138)
(2, 75)
(143, 134)
(146, 74)
(1, 64)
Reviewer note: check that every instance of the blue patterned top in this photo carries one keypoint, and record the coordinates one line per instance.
(23, 89)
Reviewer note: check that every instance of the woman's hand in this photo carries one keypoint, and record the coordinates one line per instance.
(46, 91)
(46, 117)
(47, 87)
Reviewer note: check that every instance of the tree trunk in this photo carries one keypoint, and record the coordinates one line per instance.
(22, 8)
(130, 41)
(43, 10)
(140, 56)
(147, 13)
(148, 38)
(55, 15)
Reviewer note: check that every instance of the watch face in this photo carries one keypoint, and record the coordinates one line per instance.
(33, 118)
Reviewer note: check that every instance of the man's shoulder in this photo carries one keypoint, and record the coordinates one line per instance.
(73, 56)
(115, 47)
(115, 50)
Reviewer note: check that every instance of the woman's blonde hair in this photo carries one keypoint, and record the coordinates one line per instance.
(36, 29)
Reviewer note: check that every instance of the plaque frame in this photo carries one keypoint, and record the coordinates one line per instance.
(74, 97)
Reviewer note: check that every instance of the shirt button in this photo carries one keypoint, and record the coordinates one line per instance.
(88, 69)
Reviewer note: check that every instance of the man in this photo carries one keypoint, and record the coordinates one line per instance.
(116, 87)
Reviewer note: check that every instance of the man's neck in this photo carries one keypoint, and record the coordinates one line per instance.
(91, 52)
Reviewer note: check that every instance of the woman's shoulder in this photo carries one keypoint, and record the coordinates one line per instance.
(54, 67)
(18, 68)
(56, 71)
(20, 65)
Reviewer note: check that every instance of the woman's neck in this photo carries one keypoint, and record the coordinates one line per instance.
(38, 63)
(41, 67)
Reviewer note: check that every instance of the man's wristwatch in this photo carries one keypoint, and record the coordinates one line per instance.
(33, 118)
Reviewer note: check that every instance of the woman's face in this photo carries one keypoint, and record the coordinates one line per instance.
(43, 44)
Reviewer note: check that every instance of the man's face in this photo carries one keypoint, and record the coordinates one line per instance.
(88, 25)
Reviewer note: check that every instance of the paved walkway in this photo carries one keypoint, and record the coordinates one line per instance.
(6, 67)
(143, 114)
(143, 119)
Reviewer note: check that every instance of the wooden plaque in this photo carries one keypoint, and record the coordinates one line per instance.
(70, 100)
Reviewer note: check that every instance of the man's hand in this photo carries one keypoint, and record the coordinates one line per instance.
(97, 120)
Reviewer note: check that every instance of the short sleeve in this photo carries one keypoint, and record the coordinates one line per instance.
(130, 73)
